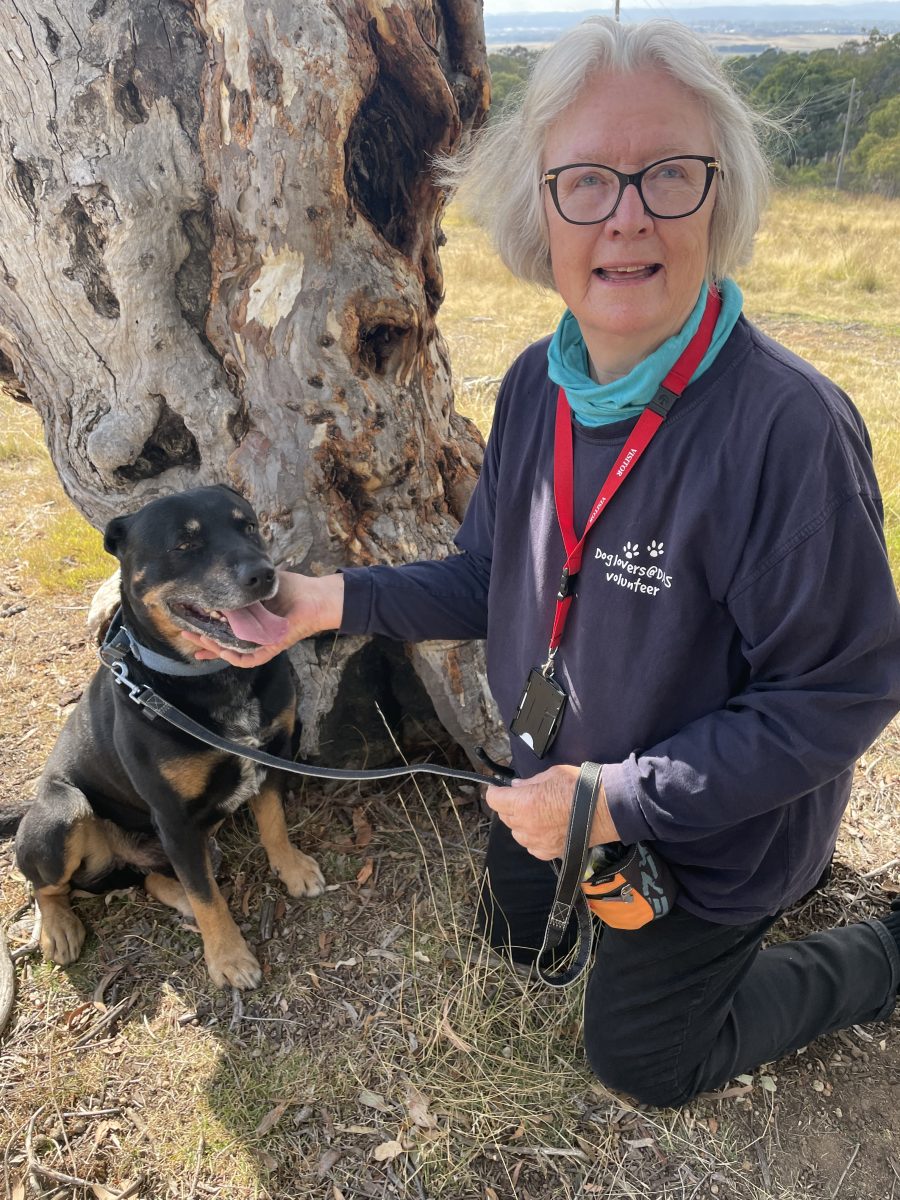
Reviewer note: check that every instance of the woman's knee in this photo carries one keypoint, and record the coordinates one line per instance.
(645, 1079)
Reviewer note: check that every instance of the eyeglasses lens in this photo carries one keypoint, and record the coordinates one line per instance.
(671, 189)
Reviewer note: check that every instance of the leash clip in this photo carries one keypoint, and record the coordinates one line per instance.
(120, 674)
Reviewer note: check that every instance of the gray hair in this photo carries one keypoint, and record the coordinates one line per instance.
(497, 175)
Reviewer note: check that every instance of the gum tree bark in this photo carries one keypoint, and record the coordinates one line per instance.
(219, 262)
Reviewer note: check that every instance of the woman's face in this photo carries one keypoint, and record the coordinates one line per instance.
(627, 122)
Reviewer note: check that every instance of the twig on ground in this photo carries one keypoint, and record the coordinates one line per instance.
(201, 1146)
(7, 983)
(888, 866)
(74, 1181)
(845, 1170)
(237, 1013)
(109, 1017)
(764, 1166)
(34, 942)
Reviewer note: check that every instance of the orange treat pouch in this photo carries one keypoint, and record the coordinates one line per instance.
(627, 886)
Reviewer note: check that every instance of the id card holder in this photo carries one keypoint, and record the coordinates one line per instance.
(540, 712)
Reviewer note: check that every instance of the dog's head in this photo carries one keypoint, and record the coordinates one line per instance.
(196, 561)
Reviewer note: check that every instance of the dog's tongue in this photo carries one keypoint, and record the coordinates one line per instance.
(256, 624)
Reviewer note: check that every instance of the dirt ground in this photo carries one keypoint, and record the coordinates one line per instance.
(825, 1124)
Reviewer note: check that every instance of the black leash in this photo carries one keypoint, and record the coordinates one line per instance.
(569, 895)
(117, 647)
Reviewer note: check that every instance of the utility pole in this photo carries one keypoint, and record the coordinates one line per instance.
(617, 10)
(840, 166)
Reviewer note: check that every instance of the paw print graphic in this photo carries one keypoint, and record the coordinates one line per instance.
(631, 550)
(655, 549)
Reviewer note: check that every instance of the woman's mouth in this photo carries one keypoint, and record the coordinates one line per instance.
(632, 274)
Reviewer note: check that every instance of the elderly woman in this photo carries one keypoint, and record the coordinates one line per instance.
(733, 643)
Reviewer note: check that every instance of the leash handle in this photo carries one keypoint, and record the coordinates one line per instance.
(569, 896)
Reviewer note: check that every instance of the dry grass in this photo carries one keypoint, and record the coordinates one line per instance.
(57, 549)
(384, 1055)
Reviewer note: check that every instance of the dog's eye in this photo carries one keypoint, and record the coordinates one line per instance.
(186, 546)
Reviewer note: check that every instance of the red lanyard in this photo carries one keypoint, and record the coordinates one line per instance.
(636, 443)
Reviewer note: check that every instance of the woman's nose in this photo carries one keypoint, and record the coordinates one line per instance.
(630, 217)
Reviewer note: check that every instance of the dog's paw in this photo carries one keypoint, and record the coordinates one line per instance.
(236, 967)
(301, 875)
(62, 936)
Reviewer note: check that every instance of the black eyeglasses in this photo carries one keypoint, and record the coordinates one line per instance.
(587, 193)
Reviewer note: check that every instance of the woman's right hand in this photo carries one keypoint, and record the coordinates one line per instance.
(308, 603)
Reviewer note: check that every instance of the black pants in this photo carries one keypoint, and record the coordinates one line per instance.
(683, 1005)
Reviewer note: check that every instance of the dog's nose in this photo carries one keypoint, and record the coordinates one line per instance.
(256, 575)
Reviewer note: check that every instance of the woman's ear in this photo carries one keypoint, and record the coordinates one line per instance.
(116, 535)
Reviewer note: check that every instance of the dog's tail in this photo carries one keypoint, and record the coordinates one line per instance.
(10, 816)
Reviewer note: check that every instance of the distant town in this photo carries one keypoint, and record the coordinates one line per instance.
(730, 29)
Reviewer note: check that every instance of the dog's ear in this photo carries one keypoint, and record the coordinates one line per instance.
(228, 488)
(116, 535)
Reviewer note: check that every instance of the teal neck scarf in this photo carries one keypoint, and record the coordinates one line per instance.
(596, 404)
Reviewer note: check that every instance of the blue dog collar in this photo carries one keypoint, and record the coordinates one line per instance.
(122, 639)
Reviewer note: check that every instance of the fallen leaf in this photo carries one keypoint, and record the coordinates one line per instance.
(104, 1193)
(18, 1192)
(362, 830)
(373, 1100)
(336, 1193)
(266, 1161)
(366, 871)
(328, 1160)
(489, 1193)
(271, 1119)
(104, 1128)
(387, 1151)
(97, 995)
(713, 1125)
(417, 1107)
(768, 1082)
(731, 1093)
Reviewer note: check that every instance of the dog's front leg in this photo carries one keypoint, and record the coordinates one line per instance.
(229, 959)
(299, 873)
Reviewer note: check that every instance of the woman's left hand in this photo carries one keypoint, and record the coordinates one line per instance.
(536, 811)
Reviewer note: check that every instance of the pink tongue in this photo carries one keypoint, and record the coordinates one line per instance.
(256, 624)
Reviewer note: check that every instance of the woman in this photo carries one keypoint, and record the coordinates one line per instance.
(734, 640)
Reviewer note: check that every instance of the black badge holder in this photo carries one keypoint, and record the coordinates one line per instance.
(540, 712)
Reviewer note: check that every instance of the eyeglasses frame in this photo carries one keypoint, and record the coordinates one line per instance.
(712, 166)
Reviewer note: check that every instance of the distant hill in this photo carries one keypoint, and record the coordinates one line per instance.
(528, 28)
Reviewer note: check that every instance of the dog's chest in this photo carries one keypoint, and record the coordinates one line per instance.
(243, 725)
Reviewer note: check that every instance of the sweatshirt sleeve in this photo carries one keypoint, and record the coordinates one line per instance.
(820, 630)
(445, 598)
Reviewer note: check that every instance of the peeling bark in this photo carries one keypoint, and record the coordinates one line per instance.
(218, 262)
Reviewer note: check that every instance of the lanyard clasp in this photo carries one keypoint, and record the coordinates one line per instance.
(547, 668)
(567, 584)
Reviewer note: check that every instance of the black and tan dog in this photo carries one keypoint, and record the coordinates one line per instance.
(123, 797)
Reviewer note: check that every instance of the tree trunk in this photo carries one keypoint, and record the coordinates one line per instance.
(218, 262)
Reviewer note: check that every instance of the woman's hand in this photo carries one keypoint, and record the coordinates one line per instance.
(536, 811)
(309, 604)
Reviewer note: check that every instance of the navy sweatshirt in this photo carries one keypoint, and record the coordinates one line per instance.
(734, 644)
